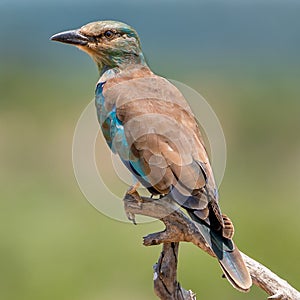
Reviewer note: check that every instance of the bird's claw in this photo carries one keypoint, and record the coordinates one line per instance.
(133, 188)
(137, 198)
(132, 191)
(131, 217)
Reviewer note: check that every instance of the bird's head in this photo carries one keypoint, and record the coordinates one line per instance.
(110, 43)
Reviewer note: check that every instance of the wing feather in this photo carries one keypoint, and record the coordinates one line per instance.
(165, 140)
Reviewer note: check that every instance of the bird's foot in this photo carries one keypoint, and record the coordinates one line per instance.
(132, 191)
(228, 229)
(131, 217)
(133, 188)
(136, 196)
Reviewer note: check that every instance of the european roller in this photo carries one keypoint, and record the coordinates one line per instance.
(148, 123)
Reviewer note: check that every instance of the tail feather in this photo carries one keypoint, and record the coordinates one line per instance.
(228, 255)
(235, 270)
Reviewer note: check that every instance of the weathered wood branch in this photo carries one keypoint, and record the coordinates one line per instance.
(180, 228)
(166, 285)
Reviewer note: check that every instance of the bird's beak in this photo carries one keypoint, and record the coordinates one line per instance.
(72, 37)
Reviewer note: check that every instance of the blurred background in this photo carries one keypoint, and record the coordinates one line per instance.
(242, 56)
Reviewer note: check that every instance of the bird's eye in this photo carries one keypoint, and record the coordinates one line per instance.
(108, 34)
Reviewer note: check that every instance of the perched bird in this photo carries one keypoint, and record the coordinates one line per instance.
(148, 123)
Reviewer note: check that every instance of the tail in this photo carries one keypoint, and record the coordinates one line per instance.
(228, 255)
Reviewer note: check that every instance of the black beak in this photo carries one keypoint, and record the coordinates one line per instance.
(72, 37)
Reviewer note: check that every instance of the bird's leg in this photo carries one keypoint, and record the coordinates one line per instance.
(228, 229)
(132, 191)
(133, 188)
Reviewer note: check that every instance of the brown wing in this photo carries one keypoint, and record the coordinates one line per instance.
(165, 139)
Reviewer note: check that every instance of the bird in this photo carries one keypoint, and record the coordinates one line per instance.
(148, 123)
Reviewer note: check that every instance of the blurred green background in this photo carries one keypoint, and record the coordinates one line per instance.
(242, 56)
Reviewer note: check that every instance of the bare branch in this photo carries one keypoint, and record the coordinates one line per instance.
(165, 275)
(272, 284)
(180, 228)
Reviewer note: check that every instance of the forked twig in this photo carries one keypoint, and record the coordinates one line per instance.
(180, 228)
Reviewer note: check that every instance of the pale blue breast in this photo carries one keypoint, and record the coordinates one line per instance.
(111, 126)
(114, 134)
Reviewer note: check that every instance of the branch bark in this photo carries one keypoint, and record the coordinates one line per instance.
(180, 228)
(166, 285)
